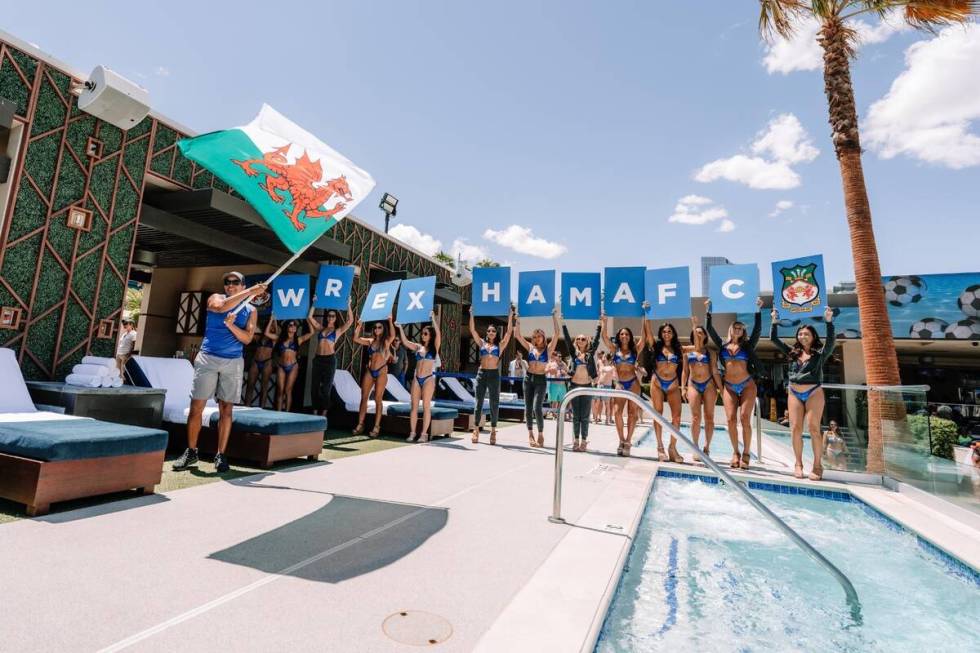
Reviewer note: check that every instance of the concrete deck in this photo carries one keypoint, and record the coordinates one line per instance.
(446, 542)
(318, 557)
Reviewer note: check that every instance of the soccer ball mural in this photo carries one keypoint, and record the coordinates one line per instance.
(969, 301)
(966, 329)
(930, 328)
(902, 291)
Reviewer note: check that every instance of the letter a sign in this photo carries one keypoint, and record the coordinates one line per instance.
(536, 293)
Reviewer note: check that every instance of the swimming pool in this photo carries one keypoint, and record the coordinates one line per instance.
(708, 571)
(721, 445)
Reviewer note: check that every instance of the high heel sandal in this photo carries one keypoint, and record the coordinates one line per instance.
(674, 456)
(583, 448)
(375, 432)
(358, 430)
(531, 442)
(493, 437)
(476, 437)
(626, 449)
(662, 455)
(816, 474)
(735, 460)
(619, 449)
(540, 439)
(745, 460)
(575, 444)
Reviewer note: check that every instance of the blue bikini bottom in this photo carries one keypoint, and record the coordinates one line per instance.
(700, 386)
(738, 388)
(803, 396)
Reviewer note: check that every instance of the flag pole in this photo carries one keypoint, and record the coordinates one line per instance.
(275, 274)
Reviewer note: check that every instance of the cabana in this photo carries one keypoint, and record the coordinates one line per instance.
(47, 457)
(257, 435)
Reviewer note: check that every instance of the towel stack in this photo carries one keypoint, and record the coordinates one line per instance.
(95, 372)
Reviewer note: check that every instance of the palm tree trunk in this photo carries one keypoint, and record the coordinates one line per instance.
(880, 357)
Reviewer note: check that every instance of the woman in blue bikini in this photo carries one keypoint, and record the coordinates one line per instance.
(539, 349)
(701, 381)
(424, 383)
(624, 359)
(325, 361)
(288, 349)
(806, 399)
(666, 383)
(739, 390)
(262, 363)
(376, 372)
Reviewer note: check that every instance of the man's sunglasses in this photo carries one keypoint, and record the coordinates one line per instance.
(233, 282)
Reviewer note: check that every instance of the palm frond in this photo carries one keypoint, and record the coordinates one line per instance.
(778, 17)
(930, 14)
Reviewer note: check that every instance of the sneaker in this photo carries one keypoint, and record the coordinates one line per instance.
(221, 463)
(187, 459)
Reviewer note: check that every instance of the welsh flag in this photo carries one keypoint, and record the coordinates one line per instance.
(298, 184)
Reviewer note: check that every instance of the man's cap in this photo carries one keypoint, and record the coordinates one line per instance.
(241, 277)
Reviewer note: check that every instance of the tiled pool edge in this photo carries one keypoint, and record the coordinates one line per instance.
(953, 564)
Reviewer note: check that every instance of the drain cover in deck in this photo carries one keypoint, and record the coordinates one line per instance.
(417, 628)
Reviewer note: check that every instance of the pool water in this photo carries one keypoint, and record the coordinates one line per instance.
(707, 572)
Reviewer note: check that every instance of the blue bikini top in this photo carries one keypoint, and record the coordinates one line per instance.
(332, 336)
(537, 358)
(493, 350)
(426, 355)
(695, 357)
(667, 359)
(291, 345)
(740, 355)
(619, 360)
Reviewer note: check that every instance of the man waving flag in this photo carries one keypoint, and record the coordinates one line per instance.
(298, 184)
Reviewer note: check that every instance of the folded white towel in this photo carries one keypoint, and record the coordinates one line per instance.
(111, 382)
(86, 380)
(90, 370)
(99, 360)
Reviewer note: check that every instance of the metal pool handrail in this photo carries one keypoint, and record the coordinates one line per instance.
(556, 518)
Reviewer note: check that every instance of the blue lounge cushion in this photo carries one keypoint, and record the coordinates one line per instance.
(402, 410)
(77, 439)
(272, 422)
(461, 406)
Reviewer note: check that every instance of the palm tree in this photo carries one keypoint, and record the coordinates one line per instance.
(487, 263)
(837, 38)
(444, 258)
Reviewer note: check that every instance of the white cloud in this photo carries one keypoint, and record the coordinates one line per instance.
(412, 237)
(783, 143)
(161, 71)
(754, 172)
(803, 52)
(928, 111)
(522, 240)
(695, 209)
(781, 205)
(469, 253)
(786, 140)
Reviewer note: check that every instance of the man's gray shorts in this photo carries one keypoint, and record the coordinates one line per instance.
(218, 377)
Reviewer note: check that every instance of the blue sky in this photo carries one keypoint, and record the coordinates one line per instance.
(586, 123)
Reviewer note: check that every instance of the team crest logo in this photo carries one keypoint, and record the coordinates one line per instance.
(300, 184)
(800, 288)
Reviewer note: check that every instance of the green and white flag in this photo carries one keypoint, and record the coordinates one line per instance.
(298, 184)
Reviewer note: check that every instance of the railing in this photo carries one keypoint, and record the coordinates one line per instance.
(851, 595)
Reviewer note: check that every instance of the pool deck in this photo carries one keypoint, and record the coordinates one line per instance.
(318, 557)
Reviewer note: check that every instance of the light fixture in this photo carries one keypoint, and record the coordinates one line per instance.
(389, 204)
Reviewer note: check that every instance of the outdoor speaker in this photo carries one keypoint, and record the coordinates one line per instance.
(111, 97)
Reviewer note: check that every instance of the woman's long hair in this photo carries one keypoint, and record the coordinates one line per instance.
(337, 320)
(675, 343)
(384, 332)
(815, 347)
(284, 329)
(426, 336)
(632, 342)
(743, 339)
(496, 336)
(704, 335)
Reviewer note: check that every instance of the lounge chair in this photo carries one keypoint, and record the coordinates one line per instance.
(508, 410)
(47, 457)
(257, 435)
(464, 420)
(394, 414)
